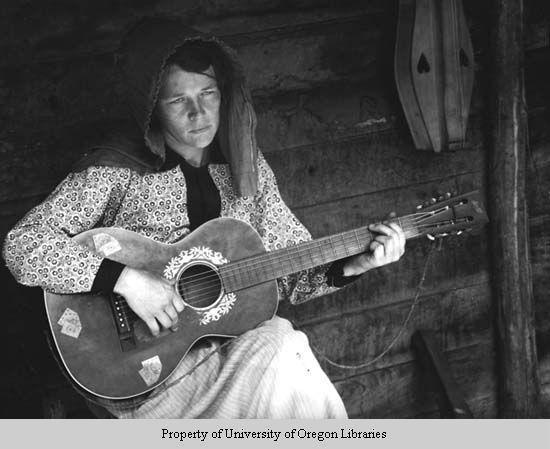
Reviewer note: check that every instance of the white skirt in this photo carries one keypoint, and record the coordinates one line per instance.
(268, 372)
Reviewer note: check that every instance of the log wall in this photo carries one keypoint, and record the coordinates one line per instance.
(538, 183)
(331, 126)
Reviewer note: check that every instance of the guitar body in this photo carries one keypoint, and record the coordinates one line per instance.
(114, 356)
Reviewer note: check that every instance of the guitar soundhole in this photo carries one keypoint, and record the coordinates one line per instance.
(199, 285)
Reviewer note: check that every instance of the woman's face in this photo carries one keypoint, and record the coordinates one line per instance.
(188, 108)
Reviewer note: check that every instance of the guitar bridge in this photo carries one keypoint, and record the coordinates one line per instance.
(122, 315)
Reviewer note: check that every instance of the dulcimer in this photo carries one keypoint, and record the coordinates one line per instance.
(226, 279)
(434, 71)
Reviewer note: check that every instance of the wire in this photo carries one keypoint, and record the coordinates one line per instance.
(397, 336)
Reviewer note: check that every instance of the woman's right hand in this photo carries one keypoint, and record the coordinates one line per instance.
(152, 299)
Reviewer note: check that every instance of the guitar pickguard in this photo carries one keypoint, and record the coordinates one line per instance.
(222, 307)
(202, 253)
(196, 253)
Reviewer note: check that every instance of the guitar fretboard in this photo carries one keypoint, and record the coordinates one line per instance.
(275, 264)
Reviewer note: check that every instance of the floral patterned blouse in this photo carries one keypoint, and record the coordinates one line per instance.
(39, 250)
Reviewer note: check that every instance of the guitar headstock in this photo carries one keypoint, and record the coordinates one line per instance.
(448, 215)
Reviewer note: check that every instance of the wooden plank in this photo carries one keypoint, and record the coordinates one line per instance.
(536, 74)
(291, 19)
(387, 392)
(272, 59)
(40, 111)
(285, 120)
(78, 103)
(538, 200)
(335, 52)
(344, 213)
(60, 32)
(397, 391)
(538, 180)
(289, 119)
(459, 318)
(544, 371)
(544, 368)
(350, 212)
(336, 112)
(54, 32)
(392, 285)
(320, 173)
(536, 16)
(85, 88)
(326, 113)
(518, 380)
(484, 406)
(540, 268)
(438, 376)
(328, 170)
(74, 90)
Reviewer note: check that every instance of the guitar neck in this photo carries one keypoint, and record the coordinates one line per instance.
(275, 264)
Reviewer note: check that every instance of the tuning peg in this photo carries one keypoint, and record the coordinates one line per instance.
(419, 207)
(433, 200)
(442, 197)
(440, 236)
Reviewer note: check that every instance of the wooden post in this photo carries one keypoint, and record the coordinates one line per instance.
(511, 275)
(439, 377)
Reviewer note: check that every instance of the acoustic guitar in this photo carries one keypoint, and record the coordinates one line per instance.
(226, 279)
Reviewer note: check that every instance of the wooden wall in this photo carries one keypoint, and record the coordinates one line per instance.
(538, 185)
(332, 128)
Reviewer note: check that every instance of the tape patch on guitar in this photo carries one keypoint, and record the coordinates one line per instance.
(106, 244)
(70, 323)
(151, 370)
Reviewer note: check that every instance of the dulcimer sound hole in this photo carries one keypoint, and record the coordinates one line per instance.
(423, 64)
(199, 285)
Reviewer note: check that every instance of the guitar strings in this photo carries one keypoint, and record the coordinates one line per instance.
(419, 216)
(208, 288)
(203, 294)
(250, 262)
(253, 262)
(339, 251)
(407, 228)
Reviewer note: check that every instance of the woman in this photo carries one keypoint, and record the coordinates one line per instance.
(189, 156)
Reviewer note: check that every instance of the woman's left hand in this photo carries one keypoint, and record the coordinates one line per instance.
(387, 246)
